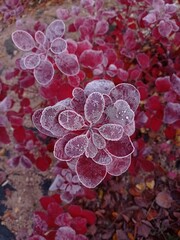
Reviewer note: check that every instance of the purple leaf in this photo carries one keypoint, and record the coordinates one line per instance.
(121, 148)
(58, 45)
(94, 107)
(90, 173)
(71, 120)
(65, 233)
(111, 132)
(102, 158)
(101, 85)
(44, 72)
(98, 140)
(31, 61)
(55, 29)
(59, 146)
(150, 18)
(128, 93)
(76, 146)
(40, 37)
(102, 27)
(118, 165)
(165, 28)
(23, 40)
(171, 113)
(91, 149)
(25, 161)
(5, 104)
(67, 64)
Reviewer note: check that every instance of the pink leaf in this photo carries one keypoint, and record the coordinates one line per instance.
(40, 37)
(121, 148)
(90, 173)
(70, 120)
(163, 84)
(171, 113)
(5, 104)
(31, 61)
(128, 93)
(63, 13)
(55, 29)
(94, 107)
(111, 132)
(67, 64)
(102, 158)
(101, 85)
(23, 40)
(118, 165)
(143, 60)
(150, 18)
(49, 120)
(165, 28)
(58, 45)
(44, 72)
(98, 140)
(59, 147)
(25, 161)
(102, 27)
(76, 146)
(36, 121)
(65, 233)
(91, 149)
(91, 58)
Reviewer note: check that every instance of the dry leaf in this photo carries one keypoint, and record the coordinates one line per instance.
(164, 200)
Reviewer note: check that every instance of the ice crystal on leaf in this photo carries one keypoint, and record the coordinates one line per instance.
(41, 47)
(96, 124)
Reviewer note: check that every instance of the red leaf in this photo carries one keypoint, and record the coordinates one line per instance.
(4, 138)
(147, 165)
(43, 163)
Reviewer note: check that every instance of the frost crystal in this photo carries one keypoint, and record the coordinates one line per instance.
(94, 129)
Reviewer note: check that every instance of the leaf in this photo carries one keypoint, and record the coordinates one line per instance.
(23, 40)
(65, 233)
(98, 140)
(143, 60)
(91, 58)
(102, 27)
(44, 72)
(171, 113)
(102, 158)
(118, 165)
(76, 146)
(111, 132)
(58, 45)
(67, 64)
(31, 61)
(90, 173)
(40, 37)
(91, 149)
(71, 120)
(165, 28)
(164, 200)
(94, 107)
(55, 29)
(128, 93)
(100, 85)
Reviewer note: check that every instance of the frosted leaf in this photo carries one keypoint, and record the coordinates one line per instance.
(165, 28)
(36, 121)
(111, 132)
(171, 113)
(91, 58)
(121, 148)
(44, 72)
(76, 146)
(23, 40)
(58, 45)
(170, 8)
(102, 27)
(120, 113)
(102, 158)
(63, 13)
(31, 61)
(91, 149)
(64, 233)
(100, 85)
(128, 93)
(59, 147)
(80, 237)
(90, 173)
(94, 107)
(5, 104)
(56, 183)
(64, 219)
(40, 37)
(71, 120)
(78, 94)
(129, 129)
(176, 84)
(150, 18)
(98, 140)
(55, 29)
(108, 100)
(67, 64)
(118, 165)
(49, 120)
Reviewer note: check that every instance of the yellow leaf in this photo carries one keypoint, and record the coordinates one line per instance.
(150, 184)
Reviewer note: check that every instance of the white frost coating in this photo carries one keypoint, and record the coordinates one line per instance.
(98, 140)
(94, 107)
(44, 72)
(101, 85)
(102, 158)
(171, 113)
(91, 149)
(55, 29)
(40, 37)
(58, 45)
(71, 120)
(31, 61)
(118, 165)
(112, 132)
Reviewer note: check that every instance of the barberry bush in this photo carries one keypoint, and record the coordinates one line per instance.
(107, 76)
